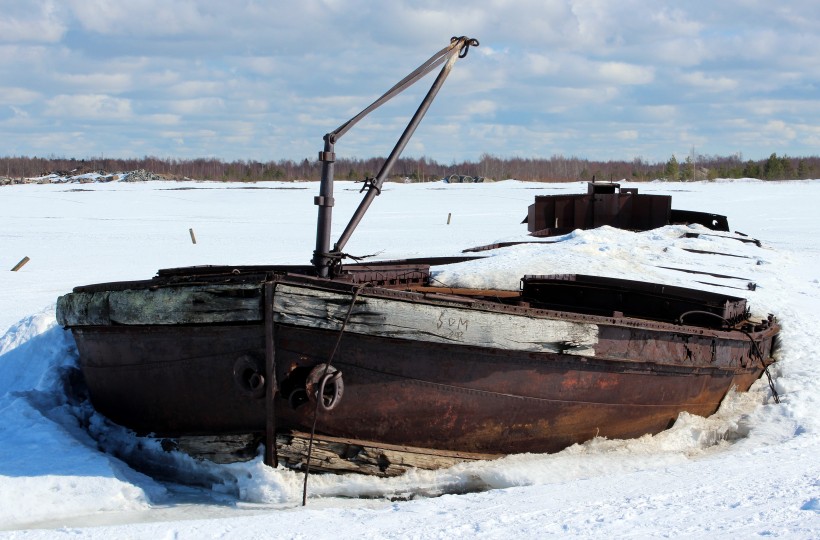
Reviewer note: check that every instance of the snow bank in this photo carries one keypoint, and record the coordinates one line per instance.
(49, 466)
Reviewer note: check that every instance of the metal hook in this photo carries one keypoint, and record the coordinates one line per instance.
(465, 47)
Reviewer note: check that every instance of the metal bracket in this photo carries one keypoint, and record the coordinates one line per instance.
(370, 183)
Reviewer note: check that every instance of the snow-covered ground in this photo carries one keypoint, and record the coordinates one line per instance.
(753, 469)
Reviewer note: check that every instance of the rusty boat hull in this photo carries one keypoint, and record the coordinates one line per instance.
(476, 372)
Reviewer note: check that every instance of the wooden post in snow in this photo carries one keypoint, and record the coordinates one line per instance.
(449, 215)
(193, 236)
(19, 265)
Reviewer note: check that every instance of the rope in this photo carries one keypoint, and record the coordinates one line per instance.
(356, 291)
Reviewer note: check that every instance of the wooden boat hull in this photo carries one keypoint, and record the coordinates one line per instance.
(419, 371)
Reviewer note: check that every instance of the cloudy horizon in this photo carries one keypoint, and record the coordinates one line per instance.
(265, 80)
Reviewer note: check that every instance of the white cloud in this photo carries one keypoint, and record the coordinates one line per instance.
(12, 56)
(811, 135)
(677, 52)
(710, 84)
(147, 17)
(90, 106)
(805, 108)
(763, 45)
(304, 119)
(562, 98)
(623, 73)
(97, 82)
(675, 22)
(780, 129)
(237, 131)
(255, 105)
(204, 106)
(32, 21)
(164, 78)
(189, 134)
(541, 64)
(18, 112)
(660, 112)
(262, 65)
(163, 119)
(483, 107)
(627, 135)
(10, 95)
(198, 88)
(73, 142)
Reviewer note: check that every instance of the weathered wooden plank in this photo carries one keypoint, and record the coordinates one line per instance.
(78, 309)
(199, 304)
(218, 448)
(432, 322)
(329, 454)
(332, 454)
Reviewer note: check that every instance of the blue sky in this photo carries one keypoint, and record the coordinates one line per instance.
(264, 80)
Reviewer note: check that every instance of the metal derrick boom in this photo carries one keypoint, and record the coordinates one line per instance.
(323, 258)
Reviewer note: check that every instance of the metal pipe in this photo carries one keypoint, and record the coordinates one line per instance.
(321, 255)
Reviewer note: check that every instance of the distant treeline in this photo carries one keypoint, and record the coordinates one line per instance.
(553, 169)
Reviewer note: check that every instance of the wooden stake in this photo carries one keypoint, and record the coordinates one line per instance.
(193, 237)
(449, 215)
(20, 264)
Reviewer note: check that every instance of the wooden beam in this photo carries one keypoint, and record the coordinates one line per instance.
(437, 322)
(193, 304)
(333, 454)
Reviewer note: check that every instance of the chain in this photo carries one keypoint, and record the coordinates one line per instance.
(756, 352)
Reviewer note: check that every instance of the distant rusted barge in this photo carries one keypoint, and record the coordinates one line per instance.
(382, 371)
(607, 203)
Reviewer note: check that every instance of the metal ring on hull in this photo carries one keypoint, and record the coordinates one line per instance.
(248, 376)
(317, 383)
